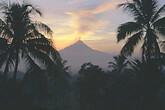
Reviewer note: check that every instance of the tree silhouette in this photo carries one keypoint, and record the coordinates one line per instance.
(122, 92)
(22, 38)
(90, 83)
(122, 86)
(150, 78)
(148, 24)
(119, 64)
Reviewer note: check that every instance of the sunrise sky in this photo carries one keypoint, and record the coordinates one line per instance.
(93, 21)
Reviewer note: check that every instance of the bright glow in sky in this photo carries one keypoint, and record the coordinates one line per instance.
(93, 21)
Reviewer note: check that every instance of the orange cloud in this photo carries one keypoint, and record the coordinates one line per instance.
(85, 22)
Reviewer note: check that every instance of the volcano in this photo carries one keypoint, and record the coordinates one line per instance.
(79, 53)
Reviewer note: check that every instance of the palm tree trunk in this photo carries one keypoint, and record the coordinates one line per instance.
(148, 55)
(5, 71)
(149, 43)
(6, 68)
(16, 68)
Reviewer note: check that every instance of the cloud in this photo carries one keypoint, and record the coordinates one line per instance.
(104, 7)
(85, 22)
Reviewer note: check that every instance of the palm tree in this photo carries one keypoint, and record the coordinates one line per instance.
(151, 80)
(119, 64)
(90, 83)
(147, 25)
(22, 38)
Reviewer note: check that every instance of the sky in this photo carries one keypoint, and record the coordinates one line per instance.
(93, 21)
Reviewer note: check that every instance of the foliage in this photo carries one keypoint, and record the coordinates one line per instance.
(90, 84)
(151, 81)
(21, 38)
(120, 63)
(147, 27)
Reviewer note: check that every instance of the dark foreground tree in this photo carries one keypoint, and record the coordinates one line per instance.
(90, 84)
(147, 27)
(120, 63)
(151, 80)
(56, 94)
(121, 89)
(21, 38)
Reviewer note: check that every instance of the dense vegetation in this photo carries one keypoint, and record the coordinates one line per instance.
(139, 85)
(47, 85)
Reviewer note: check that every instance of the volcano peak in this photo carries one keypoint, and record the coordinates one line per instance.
(78, 46)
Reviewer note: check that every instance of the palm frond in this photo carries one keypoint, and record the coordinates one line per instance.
(134, 10)
(34, 72)
(3, 44)
(4, 30)
(37, 10)
(55, 55)
(117, 59)
(131, 43)
(159, 25)
(136, 65)
(121, 60)
(120, 63)
(149, 8)
(158, 14)
(43, 27)
(28, 7)
(42, 41)
(127, 29)
(138, 2)
(4, 6)
(162, 45)
(45, 45)
(112, 65)
(30, 63)
(32, 32)
(3, 59)
(17, 26)
(42, 58)
(10, 61)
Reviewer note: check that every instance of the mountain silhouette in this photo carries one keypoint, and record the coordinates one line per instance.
(79, 45)
(79, 53)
